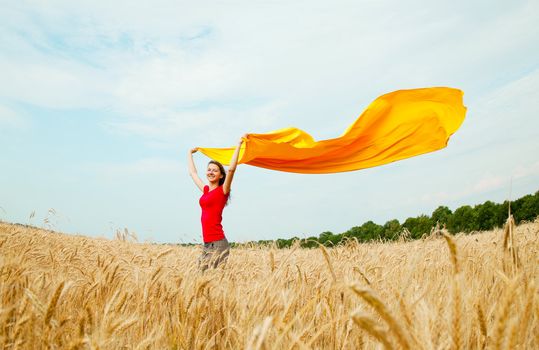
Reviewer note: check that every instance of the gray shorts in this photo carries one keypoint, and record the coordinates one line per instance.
(214, 254)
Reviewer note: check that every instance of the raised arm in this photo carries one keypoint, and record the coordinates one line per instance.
(232, 166)
(193, 170)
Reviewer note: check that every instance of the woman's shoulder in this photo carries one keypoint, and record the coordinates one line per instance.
(206, 189)
(222, 190)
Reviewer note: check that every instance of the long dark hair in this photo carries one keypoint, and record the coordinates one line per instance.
(221, 180)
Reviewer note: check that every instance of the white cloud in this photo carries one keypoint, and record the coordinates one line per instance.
(147, 61)
(136, 168)
(486, 183)
(10, 118)
(524, 171)
(58, 84)
(211, 127)
(173, 80)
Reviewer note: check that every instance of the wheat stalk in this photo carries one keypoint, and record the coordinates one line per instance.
(375, 302)
(372, 328)
(328, 262)
(482, 324)
(503, 315)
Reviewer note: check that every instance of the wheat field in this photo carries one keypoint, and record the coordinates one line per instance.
(476, 291)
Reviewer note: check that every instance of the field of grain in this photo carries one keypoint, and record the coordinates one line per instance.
(475, 291)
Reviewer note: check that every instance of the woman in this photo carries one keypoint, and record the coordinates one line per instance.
(214, 198)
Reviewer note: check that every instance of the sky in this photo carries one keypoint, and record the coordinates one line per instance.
(100, 102)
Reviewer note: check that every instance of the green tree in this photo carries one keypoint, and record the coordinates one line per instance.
(371, 231)
(326, 238)
(333, 240)
(366, 232)
(441, 215)
(354, 232)
(418, 226)
(463, 220)
(486, 216)
(392, 228)
(283, 243)
(311, 242)
(502, 213)
(526, 208)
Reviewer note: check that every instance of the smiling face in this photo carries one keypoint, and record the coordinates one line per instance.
(213, 173)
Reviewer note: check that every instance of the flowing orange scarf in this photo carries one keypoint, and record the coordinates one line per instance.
(397, 125)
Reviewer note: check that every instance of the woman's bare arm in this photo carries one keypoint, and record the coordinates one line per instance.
(232, 166)
(193, 170)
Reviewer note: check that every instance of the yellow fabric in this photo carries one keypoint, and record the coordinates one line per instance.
(397, 125)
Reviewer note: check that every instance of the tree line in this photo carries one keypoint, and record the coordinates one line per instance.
(481, 217)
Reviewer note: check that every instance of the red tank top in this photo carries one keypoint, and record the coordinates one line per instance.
(212, 204)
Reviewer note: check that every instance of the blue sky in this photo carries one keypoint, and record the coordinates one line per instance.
(100, 101)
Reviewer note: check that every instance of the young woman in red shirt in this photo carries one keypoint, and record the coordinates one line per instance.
(214, 198)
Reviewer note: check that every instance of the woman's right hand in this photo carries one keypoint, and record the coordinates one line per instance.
(193, 150)
(243, 138)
